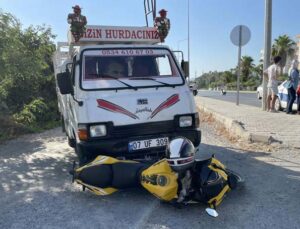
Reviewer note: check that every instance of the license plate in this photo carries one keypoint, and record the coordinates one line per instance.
(149, 143)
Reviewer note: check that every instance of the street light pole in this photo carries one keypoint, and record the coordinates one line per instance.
(178, 49)
(267, 48)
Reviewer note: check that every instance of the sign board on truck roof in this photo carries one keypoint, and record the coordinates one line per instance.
(95, 34)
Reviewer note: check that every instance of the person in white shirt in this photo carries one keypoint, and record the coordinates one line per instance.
(272, 72)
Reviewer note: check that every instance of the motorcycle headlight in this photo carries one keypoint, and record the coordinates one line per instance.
(97, 130)
(185, 121)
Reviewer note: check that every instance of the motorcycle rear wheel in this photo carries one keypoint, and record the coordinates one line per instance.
(237, 177)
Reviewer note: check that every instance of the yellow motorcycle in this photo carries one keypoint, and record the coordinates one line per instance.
(178, 179)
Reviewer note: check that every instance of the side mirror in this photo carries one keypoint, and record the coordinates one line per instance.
(185, 67)
(64, 83)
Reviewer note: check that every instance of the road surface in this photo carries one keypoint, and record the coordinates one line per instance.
(36, 190)
(245, 98)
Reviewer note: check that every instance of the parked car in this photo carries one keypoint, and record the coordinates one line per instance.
(259, 91)
(282, 98)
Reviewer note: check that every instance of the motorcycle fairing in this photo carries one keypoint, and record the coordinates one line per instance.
(160, 180)
(98, 176)
(96, 190)
(103, 160)
(215, 201)
(216, 166)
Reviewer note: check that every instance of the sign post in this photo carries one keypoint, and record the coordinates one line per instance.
(267, 48)
(239, 36)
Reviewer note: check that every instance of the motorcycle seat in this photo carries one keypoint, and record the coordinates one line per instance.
(127, 175)
(118, 175)
(98, 176)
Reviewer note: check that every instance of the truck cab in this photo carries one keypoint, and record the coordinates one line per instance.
(123, 95)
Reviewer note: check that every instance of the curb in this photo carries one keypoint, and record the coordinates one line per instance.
(236, 128)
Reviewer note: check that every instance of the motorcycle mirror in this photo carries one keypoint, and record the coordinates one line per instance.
(212, 212)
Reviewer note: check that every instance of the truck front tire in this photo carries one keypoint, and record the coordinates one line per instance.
(71, 142)
(63, 127)
(83, 158)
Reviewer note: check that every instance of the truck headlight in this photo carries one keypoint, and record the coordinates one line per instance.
(185, 121)
(97, 130)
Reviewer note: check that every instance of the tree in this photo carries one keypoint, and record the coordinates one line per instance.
(26, 72)
(246, 67)
(228, 77)
(283, 46)
(25, 58)
(258, 70)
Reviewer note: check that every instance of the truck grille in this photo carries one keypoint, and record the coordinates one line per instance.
(143, 129)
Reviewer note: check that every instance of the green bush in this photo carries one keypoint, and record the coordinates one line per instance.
(34, 112)
(9, 128)
(27, 84)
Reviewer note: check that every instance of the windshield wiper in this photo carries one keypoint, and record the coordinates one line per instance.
(112, 77)
(149, 78)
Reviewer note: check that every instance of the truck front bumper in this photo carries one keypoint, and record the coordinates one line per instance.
(118, 146)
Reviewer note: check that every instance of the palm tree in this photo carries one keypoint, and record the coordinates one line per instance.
(258, 70)
(246, 67)
(283, 46)
(227, 77)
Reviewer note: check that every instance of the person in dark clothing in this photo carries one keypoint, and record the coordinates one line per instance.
(298, 99)
(78, 23)
(292, 86)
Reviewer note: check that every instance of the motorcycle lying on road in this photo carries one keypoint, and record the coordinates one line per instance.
(178, 179)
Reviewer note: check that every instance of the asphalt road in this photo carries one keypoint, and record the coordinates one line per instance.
(36, 190)
(244, 98)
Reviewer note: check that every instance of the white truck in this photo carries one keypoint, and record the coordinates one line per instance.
(123, 95)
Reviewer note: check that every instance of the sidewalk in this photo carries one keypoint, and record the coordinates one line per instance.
(252, 124)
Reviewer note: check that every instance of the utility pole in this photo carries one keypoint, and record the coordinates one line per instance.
(267, 48)
(239, 67)
(189, 36)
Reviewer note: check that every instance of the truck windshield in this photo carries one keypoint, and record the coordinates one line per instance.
(101, 67)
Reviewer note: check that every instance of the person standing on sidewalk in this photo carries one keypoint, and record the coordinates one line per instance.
(298, 99)
(272, 72)
(292, 86)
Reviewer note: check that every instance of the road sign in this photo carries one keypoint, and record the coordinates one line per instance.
(239, 36)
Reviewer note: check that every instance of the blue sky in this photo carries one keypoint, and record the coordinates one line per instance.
(210, 23)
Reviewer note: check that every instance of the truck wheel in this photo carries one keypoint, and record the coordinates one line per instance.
(63, 127)
(82, 157)
(195, 92)
(71, 142)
